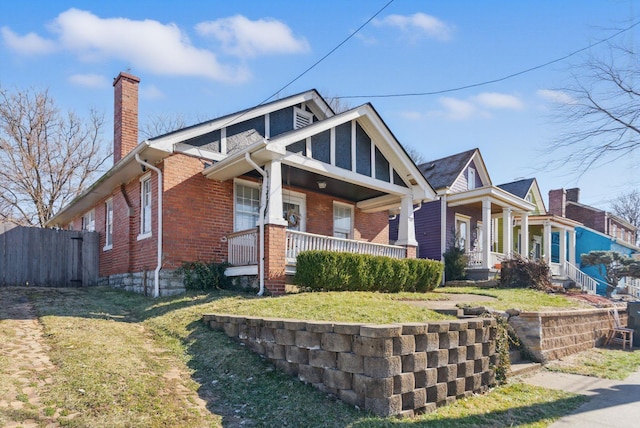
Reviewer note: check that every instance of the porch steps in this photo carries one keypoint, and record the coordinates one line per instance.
(456, 312)
(519, 366)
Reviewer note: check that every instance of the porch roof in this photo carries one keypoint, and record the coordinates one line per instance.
(556, 222)
(498, 197)
(376, 194)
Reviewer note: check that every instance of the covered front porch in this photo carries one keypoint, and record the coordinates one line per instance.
(482, 222)
(327, 186)
(243, 249)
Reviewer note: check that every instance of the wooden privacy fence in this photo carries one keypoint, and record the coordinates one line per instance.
(31, 256)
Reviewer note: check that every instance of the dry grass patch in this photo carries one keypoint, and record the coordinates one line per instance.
(599, 362)
(524, 299)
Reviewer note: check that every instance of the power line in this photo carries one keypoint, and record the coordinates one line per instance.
(329, 53)
(488, 82)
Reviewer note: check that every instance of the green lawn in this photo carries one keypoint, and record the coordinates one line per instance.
(125, 360)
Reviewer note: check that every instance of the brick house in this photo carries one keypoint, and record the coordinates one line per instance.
(252, 188)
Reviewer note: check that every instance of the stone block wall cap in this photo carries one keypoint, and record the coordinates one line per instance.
(381, 330)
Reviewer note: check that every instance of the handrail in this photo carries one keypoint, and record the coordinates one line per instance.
(586, 283)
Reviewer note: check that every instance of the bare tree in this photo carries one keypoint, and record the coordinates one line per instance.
(600, 109)
(161, 124)
(46, 156)
(627, 206)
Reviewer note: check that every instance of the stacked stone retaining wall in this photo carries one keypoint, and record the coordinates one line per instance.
(553, 335)
(395, 369)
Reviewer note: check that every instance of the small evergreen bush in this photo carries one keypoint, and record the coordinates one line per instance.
(335, 271)
(204, 276)
(455, 264)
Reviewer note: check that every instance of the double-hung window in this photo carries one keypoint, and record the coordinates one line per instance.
(145, 206)
(89, 221)
(108, 224)
(342, 221)
(246, 206)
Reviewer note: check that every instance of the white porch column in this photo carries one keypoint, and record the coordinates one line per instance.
(443, 227)
(572, 246)
(507, 232)
(274, 195)
(486, 235)
(563, 250)
(406, 225)
(546, 254)
(524, 233)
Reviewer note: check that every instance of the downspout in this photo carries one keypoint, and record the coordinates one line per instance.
(156, 274)
(263, 205)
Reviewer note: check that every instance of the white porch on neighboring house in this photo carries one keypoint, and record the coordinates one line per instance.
(548, 225)
(481, 245)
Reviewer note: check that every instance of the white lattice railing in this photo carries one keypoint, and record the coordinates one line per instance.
(633, 286)
(474, 258)
(243, 247)
(301, 241)
(586, 283)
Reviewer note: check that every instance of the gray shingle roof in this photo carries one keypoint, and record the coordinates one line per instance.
(441, 173)
(519, 188)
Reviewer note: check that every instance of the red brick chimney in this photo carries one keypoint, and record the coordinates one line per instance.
(125, 115)
(558, 202)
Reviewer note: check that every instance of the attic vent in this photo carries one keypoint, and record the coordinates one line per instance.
(301, 118)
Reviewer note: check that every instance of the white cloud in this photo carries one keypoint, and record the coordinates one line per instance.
(498, 101)
(411, 115)
(418, 23)
(151, 92)
(559, 97)
(245, 38)
(477, 106)
(90, 80)
(29, 44)
(145, 45)
(456, 109)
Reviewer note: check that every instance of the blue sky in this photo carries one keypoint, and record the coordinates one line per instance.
(205, 59)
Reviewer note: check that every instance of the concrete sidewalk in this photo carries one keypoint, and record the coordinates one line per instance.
(612, 403)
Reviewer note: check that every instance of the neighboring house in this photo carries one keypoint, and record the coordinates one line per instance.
(551, 238)
(471, 211)
(600, 230)
(252, 188)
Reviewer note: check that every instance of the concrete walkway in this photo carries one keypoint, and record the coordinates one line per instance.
(612, 403)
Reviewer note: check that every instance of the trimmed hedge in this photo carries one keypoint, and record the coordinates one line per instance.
(335, 271)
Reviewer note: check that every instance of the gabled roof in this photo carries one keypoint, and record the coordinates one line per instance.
(521, 188)
(156, 149)
(443, 173)
(238, 164)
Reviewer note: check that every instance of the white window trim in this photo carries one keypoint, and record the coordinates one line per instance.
(108, 245)
(333, 215)
(241, 182)
(147, 234)
(471, 184)
(90, 225)
(300, 199)
(467, 220)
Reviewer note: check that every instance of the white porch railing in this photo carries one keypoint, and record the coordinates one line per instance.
(474, 259)
(633, 286)
(243, 247)
(301, 241)
(586, 283)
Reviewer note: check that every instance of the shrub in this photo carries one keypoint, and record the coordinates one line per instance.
(523, 273)
(204, 276)
(455, 264)
(334, 271)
